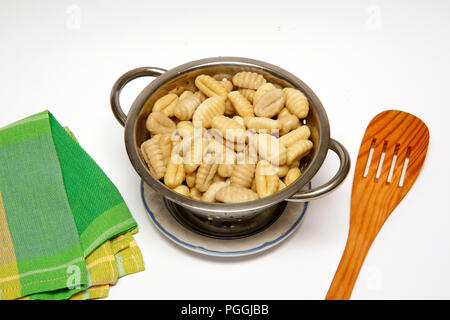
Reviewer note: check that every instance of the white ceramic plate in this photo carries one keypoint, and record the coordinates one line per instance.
(284, 226)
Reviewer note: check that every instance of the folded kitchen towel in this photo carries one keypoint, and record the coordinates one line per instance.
(58, 212)
(112, 260)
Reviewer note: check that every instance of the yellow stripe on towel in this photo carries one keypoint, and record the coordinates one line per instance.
(9, 273)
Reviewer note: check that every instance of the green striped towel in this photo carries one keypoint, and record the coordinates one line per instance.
(56, 207)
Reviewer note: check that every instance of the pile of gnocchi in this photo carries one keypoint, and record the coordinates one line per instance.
(235, 138)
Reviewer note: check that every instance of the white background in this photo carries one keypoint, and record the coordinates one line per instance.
(360, 57)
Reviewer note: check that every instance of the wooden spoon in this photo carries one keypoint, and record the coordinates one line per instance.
(401, 140)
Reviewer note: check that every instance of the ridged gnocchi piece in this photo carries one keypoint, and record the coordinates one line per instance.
(190, 178)
(296, 102)
(288, 123)
(217, 177)
(282, 171)
(301, 133)
(266, 87)
(248, 80)
(266, 179)
(225, 170)
(269, 148)
(270, 103)
(166, 104)
(165, 144)
(190, 167)
(175, 174)
(186, 106)
(159, 123)
(284, 112)
(205, 175)
(195, 194)
(210, 194)
(229, 109)
(185, 94)
(208, 109)
(153, 156)
(281, 185)
(298, 150)
(210, 86)
(228, 85)
(249, 94)
(263, 124)
(242, 174)
(187, 126)
(292, 175)
(239, 120)
(242, 106)
(254, 186)
(223, 123)
(229, 129)
(235, 194)
(182, 189)
(200, 95)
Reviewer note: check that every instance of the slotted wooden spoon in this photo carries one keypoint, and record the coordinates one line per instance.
(401, 140)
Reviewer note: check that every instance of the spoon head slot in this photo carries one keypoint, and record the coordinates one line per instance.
(392, 152)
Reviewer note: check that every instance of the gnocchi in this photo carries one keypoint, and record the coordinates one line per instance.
(269, 148)
(249, 94)
(165, 144)
(292, 175)
(210, 194)
(266, 180)
(301, 133)
(175, 174)
(266, 87)
(166, 104)
(182, 189)
(296, 102)
(248, 80)
(242, 174)
(235, 194)
(186, 106)
(195, 194)
(287, 123)
(270, 104)
(159, 123)
(153, 156)
(205, 175)
(263, 124)
(298, 150)
(208, 109)
(229, 128)
(225, 170)
(210, 86)
(242, 106)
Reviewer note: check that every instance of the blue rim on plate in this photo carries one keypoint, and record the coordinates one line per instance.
(196, 248)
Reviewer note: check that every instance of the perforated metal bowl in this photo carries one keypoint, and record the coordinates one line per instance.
(249, 216)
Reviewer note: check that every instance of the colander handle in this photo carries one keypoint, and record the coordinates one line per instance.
(331, 185)
(120, 84)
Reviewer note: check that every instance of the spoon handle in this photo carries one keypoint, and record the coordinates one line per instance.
(355, 251)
